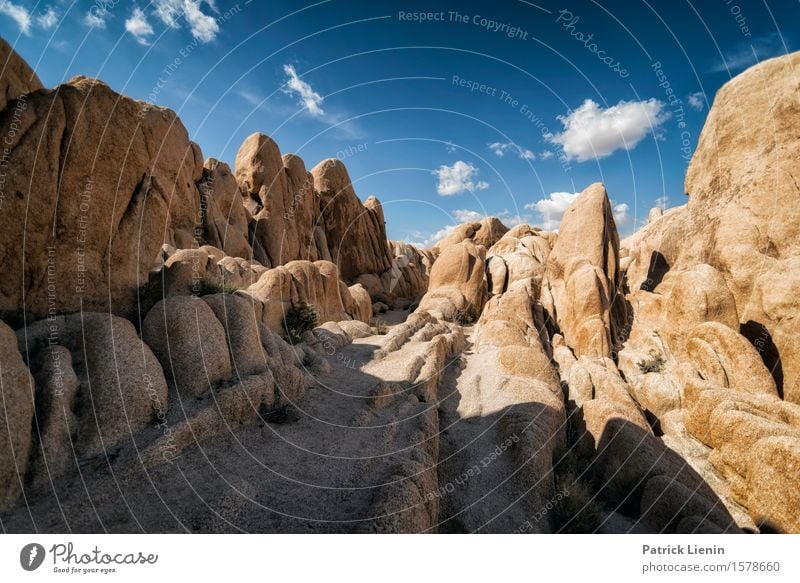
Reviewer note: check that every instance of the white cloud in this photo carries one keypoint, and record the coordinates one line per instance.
(450, 147)
(552, 209)
(750, 53)
(546, 154)
(138, 26)
(309, 98)
(18, 14)
(204, 27)
(662, 202)
(696, 100)
(460, 177)
(500, 148)
(620, 212)
(467, 216)
(48, 19)
(593, 132)
(96, 17)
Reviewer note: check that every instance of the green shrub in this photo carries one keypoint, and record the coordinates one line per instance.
(300, 319)
(380, 327)
(575, 509)
(207, 288)
(469, 316)
(655, 363)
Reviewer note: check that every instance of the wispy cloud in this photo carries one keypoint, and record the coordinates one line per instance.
(696, 101)
(47, 19)
(139, 26)
(303, 91)
(592, 132)
(746, 54)
(96, 17)
(500, 148)
(460, 177)
(18, 14)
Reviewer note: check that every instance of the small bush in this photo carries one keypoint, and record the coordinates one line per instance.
(299, 319)
(575, 510)
(655, 363)
(380, 327)
(207, 288)
(469, 316)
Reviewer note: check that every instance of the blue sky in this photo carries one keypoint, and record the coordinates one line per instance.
(444, 110)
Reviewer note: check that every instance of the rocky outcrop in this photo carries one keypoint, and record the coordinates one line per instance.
(225, 219)
(16, 422)
(457, 286)
(583, 276)
(356, 233)
(521, 253)
(17, 79)
(485, 232)
(279, 193)
(91, 226)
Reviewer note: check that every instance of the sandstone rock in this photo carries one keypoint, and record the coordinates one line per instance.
(224, 217)
(92, 225)
(583, 276)
(57, 387)
(773, 483)
(16, 423)
(485, 232)
(189, 342)
(122, 385)
(728, 359)
(279, 193)
(17, 78)
(356, 233)
(457, 285)
(241, 329)
(362, 303)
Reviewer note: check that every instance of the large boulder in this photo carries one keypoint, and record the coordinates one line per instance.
(16, 421)
(224, 217)
(122, 385)
(17, 78)
(100, 182)
(583, 276)
(457, 288)
(190, 343)
(485, 232)
(356, 233)
(279, 193)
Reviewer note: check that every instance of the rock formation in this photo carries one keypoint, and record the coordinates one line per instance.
(194, 349)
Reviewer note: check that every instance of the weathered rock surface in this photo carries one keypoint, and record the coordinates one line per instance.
(92, 226)
(356, 233)
(583, 276)
(18, 78)
(457, 286)
(16, 426)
